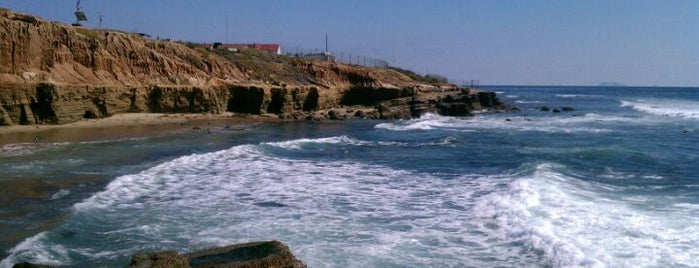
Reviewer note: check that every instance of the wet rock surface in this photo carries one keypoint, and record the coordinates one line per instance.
(248, 255)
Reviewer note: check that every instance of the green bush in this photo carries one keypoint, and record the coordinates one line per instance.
(428, 78)
(26, 18)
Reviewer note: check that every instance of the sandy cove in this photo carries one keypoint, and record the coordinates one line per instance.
(129, 125)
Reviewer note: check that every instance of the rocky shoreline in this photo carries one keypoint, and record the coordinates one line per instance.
(51, 104)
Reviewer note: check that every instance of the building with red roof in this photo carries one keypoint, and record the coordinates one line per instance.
(271, 48)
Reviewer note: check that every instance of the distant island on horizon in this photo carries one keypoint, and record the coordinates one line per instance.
(611, 84)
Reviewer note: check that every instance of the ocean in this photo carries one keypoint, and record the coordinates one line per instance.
(612, 183)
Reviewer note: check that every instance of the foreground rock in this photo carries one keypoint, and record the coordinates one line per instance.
(248, 255)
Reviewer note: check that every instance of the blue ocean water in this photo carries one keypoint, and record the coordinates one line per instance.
(611, 184)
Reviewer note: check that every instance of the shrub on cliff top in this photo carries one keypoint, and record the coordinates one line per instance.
(26, 18)
(428, 78)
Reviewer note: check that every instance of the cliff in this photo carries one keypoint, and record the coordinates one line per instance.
(52, 73)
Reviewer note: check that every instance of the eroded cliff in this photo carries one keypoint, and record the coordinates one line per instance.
(52, 73)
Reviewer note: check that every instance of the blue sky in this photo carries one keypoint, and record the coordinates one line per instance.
(566, 42)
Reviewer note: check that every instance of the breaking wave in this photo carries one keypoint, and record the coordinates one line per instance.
(665, 107)
(575, 223)
(588, 123)
(246, 193)
(349, 213)
(299, 143)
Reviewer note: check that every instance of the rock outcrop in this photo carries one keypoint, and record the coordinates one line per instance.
(248, 255)
(52, 73)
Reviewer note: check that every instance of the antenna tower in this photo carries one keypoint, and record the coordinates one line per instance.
(79, 14)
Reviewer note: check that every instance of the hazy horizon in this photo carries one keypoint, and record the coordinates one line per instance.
(585, 43)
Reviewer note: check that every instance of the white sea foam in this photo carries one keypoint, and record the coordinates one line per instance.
(297, 144)
(573, 96)
(60, 194)
(567, 95)
(574, 224)
(36, 249)
(687, 206)
(665, 107)
(528, 102)
(589, 123)
(425, 122)
(332, 213)
(652, 177)
(350, 214)
(301, 144)
(20, 149)
(28, 148)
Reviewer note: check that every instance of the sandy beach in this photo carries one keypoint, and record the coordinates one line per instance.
(124, 126)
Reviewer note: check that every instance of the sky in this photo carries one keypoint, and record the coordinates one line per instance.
(497, 42)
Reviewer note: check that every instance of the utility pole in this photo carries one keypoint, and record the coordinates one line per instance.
(326, 54)
(99, 25)
(226, 28)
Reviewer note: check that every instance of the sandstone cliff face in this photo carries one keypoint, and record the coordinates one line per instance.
(35, 50)
(52, 73)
